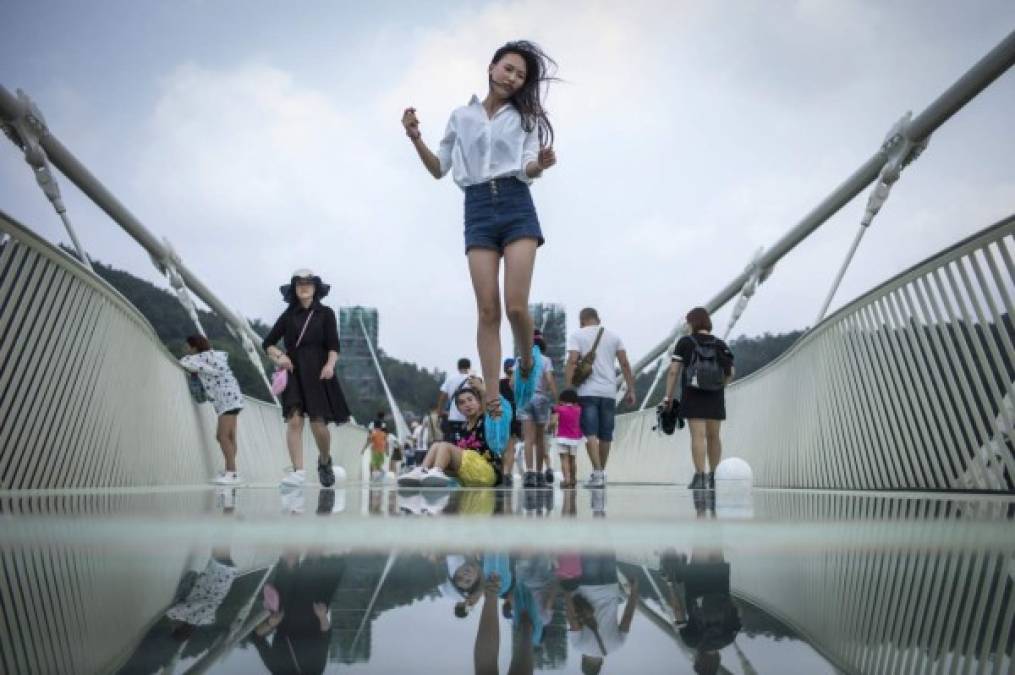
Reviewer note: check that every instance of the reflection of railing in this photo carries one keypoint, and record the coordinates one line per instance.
(909, 386)
(89, 396)
(875, 608)
(875, 602)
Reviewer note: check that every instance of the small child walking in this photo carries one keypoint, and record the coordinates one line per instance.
(377, 441)
(568, 437)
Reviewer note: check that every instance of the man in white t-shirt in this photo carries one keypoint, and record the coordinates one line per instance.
(598, 394)
(591, 603)
(452, 420)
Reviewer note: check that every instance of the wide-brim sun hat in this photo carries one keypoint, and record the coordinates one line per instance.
(304, 274)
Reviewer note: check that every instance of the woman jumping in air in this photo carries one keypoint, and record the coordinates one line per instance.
(496, 147)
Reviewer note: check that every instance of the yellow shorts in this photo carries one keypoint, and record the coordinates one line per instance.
(477, 503)
(475, 471)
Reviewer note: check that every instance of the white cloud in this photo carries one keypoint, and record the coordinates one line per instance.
(689, 134)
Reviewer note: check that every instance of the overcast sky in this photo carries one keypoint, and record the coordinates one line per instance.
(260, 137)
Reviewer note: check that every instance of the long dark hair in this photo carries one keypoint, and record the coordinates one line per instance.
(539, 71)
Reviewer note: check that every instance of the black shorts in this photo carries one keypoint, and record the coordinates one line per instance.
(234, 412)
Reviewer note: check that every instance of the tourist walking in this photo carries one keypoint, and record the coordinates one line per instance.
(495, 147)
(211, 367)
(452, 419)
(703, 364)
(534, 417)
(592, 351)
(310, 334)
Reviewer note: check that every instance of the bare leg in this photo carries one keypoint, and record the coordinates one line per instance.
(484, 268)
(509, 456)
(521, 654)
(529, 432)
(445, 456)
(226, 435)
(714, 443)
(697, 444)
(604, 451)
(323, 439)
(592, 445)
(542, 458)
(294, 439)
(565, 468)
(519, 261)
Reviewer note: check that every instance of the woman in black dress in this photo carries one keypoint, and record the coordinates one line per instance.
(310, 333)
(704, 365)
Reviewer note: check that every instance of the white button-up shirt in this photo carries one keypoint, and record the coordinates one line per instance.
(479, 148)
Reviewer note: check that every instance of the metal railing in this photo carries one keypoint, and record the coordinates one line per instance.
(903, 143)
(90, 397)
(909, 386)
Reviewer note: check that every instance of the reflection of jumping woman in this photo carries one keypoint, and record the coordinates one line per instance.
(496, 147)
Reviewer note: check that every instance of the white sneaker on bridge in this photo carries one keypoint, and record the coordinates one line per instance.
(295, 478)
(227, 478)
(596, 480)
(413, 478)
(435, 478)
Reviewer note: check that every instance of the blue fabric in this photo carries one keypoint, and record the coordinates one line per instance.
(525, 389)
(498, 429)
(525, 602)
(499, 212)
(501, 564)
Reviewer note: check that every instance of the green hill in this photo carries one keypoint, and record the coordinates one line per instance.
(414, 387)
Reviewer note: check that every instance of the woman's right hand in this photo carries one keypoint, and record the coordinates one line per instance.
(411, 123)
(283, 361)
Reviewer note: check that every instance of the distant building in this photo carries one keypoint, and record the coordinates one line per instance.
(355, 367)
(551, 319)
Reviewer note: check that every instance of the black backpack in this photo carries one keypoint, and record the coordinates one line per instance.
(704, 372)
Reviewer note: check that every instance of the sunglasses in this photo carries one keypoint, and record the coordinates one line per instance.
(304, 281)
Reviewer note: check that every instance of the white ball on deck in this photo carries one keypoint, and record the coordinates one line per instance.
(734, 469)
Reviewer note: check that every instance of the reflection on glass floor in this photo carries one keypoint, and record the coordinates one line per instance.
(639, 579)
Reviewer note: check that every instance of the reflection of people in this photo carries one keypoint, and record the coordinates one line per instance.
(310, 332)
(704, 365)
(212, 368)
(487, 645)
(591, 605)
(705, 612)
(200, 612)
(300, 623)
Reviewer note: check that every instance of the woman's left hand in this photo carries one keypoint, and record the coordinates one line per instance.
(327, 372)
(546, 158)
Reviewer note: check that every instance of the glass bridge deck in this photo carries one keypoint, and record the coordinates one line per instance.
(633, 579)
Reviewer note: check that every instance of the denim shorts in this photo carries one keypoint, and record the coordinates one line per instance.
(499, 212)
(538, 410)
(598, 415)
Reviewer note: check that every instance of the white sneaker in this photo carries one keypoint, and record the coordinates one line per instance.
(228, 478)
(435, 478)
(295, 478)
(596, 480)
(413, 478)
